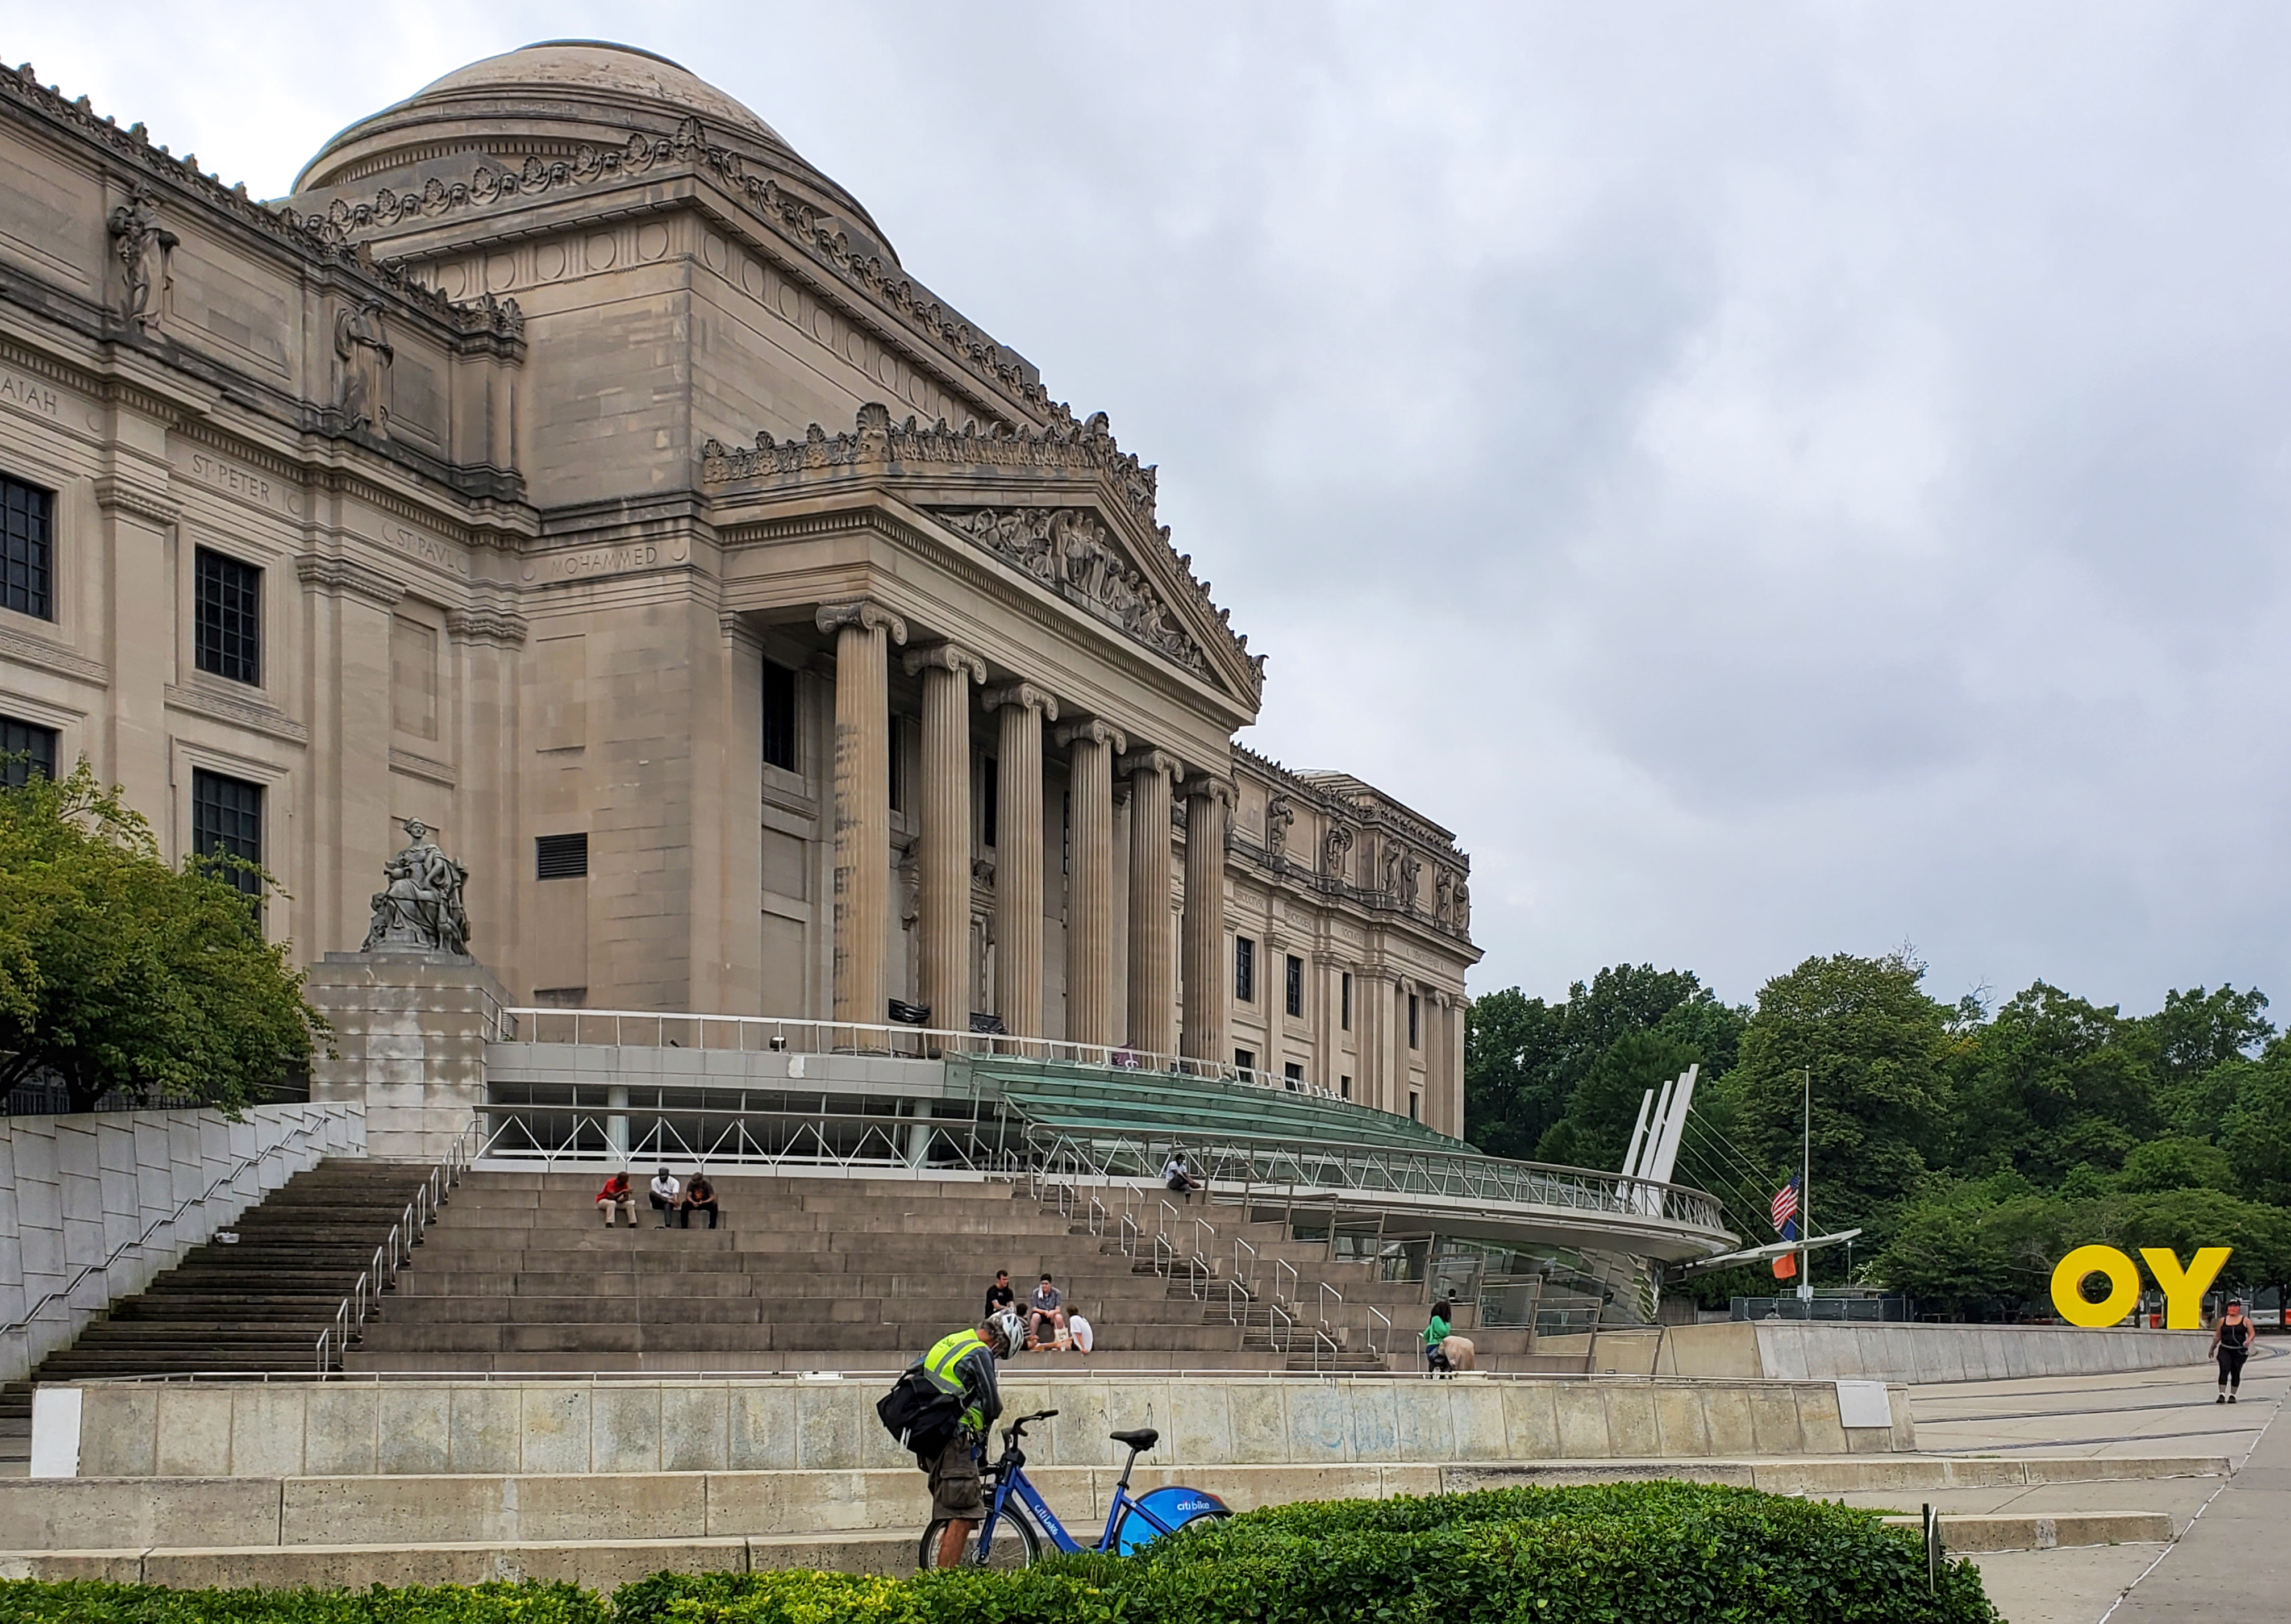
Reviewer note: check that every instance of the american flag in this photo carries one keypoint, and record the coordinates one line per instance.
(1786, 1211)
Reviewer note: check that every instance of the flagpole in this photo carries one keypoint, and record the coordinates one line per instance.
(1805, 1198)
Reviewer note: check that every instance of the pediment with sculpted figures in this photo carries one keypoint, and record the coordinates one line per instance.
(1068, 547)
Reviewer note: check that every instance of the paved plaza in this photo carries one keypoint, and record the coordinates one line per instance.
(2230, 1530)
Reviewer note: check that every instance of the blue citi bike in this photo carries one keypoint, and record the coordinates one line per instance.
(1018, 1522)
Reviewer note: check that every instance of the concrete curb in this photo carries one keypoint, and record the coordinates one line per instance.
(1967, 1534)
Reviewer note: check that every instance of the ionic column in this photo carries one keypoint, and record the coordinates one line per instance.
(862, 806)
(947, 672)
(1152, 966)
(1019, 855)
(1209, 802)
(1092, 747)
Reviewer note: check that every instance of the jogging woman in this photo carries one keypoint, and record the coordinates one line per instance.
(2231, 1346)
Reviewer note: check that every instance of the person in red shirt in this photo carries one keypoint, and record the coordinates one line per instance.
(616, 1196)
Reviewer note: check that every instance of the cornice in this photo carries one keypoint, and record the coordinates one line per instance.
(52, 657)
(131, 148)
(238, 712)
(421, 767)
(487, 624)
(340, 575)
(821, 237)
(114, 495)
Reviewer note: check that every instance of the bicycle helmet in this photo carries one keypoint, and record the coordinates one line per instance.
(1012, 1331)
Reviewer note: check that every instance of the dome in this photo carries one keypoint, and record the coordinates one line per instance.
(549, 101)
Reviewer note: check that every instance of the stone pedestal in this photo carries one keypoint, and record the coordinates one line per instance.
(409, 1043)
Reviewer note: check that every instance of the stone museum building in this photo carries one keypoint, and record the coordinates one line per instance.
(570, 466)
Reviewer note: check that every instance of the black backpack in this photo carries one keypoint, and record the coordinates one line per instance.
(919, 1415)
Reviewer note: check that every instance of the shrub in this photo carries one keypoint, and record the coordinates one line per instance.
(83, 1601)
(1606, 1554)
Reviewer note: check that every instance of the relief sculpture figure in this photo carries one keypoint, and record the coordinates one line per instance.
(143, 245)
(363, 345)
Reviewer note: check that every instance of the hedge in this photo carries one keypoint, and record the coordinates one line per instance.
(1660, 1553)
(86, 1601)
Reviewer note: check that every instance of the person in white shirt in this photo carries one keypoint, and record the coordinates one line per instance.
(1179, 1176)
(667, 1198)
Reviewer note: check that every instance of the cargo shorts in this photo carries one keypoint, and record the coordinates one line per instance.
(956, 1495)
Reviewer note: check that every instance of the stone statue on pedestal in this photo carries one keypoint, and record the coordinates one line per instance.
(419, 909)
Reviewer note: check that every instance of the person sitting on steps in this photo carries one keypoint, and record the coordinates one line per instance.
(616, 1196)
(667, 1197)
(699, 1197)
(1178, 1175)
(1046, 1316)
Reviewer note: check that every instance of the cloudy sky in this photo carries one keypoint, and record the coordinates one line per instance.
(1773, 479)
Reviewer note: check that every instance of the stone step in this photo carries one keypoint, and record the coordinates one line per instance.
(1962, 1533)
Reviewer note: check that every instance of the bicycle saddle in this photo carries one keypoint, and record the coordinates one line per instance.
(1136, 1437)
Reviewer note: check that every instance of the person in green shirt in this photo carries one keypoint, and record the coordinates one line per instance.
(1434, 1334)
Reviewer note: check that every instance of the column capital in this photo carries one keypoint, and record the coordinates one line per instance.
(1022, 694)
(1149, 760)
(1089, 729)
(1202, 786)
(946, 656)
(865, 614)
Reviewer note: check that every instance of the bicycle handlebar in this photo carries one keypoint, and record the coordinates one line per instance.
(1018, 1428)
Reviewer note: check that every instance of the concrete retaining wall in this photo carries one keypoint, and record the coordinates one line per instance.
(287, 1429)
(1794, 1351)
(287, 1531)
(74, 1189)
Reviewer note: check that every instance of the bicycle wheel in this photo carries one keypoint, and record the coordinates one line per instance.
(1016, 1545)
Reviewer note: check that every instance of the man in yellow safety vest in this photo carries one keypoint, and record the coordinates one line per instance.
(963, 1364)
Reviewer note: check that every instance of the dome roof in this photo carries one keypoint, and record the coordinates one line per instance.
(547, 100)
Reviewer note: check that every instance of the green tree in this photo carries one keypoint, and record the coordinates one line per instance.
(2256, 1134)
(1525, 1059)
(2051, 1082)
(1974, 1249)
(1596, 1130)
(1876, 1044)
(119, 973)
(2175, 1163)
(2195, 1045)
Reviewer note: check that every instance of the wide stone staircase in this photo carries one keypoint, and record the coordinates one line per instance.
(252, 1303)
(520, 1274)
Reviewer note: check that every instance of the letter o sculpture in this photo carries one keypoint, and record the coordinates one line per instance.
(2067, 1281)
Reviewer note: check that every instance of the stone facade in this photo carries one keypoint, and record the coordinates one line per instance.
(570, 466)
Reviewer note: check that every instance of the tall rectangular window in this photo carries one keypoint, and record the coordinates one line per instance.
(1413, 1007)
(1244, 1060)
(25, 748)
(1244, 970)
(227, 819)
(28, 549)
(779, 718)
(898, 780)
(1415, 1106)
(1293, 1074)
(227, 621)
(1293, 985)
(990, 807)
(1344, 1017)
(1344, 1088)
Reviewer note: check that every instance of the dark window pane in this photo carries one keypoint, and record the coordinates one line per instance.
(227, 819)
(1244, 970)
(989, 803)
(1413, 1007)
(560, 856)
(27, 548)
(1347, 1019)
(27, 748)
(1244, 1060)
(228, 620)
(898, 780)
(1294, 987)
(779, 717)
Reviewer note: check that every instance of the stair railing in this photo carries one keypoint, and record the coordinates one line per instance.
(1129, 1237)
(1249, 1274)
(396, 1252)
(1390, 1344)
(1328, 1291)
(1281, 1266)
(242, 1164)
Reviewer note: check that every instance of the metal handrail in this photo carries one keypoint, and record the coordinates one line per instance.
(1366, 1172)
(1390, 1342)
(1240, 1245)
(396, 1252)
(775, 1035)
(238, 1166)
(1129, 1237)
(1282, 1265)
